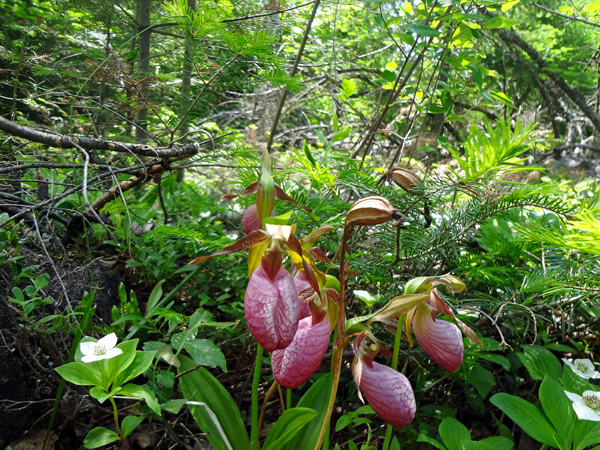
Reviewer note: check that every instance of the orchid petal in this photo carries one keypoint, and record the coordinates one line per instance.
(251, 220)
(272, 309)
(439, 339)
(301, 284)
(299, 360)
(389, 393)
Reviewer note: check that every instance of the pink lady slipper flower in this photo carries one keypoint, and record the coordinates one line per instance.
(271, 304)
(302, 284)
(388, 391)
(439, 339)
(296, 363)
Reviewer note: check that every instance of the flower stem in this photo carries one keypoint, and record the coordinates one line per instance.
(255, 383)
(116, 414)
(339, 344)
(390, 428)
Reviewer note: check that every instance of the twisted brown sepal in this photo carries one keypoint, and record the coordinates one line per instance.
(404, 178)
(371, 211)
(254, 189)
(253, 238)
(283, 196)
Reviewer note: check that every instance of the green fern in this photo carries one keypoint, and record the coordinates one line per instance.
(492, 150)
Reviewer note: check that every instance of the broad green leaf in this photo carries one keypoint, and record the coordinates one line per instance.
(121, 362)
(100, 394)
(99, 436)
(395, 445)
(204, 352)
(424, 438)
(493, 357)
(559, 410)
(130, 423)
(482, 379)
(174, 406)
(541, 362)
(499, 22)
(316, 398)
(201, 386)
(388, 75)
(421, 30)
(491, 443)
(508, 5)
(453, 433)
(343, 134)
(348, 87)
(343, 422)
(586, 433)
(287, 426)
(138, 366)
(155, 296)
(133, 390)
(166, 378)
(79, 373)
(477, 75)
(527, 416)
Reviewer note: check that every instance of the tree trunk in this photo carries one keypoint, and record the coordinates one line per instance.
(143, 66)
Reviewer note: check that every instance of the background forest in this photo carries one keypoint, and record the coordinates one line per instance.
(134, 135)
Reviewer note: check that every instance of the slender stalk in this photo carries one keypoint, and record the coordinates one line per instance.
(255, 383)
(116, 414)
(339, 345)
(390, 428)
(264, 408)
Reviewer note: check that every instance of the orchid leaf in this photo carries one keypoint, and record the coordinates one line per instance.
(287, 426)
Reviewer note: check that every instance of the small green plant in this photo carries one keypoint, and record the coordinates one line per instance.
(570, 415)
(108, 367)
(455, 436)
(32, 298)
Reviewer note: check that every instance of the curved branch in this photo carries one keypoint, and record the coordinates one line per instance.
(65, 141)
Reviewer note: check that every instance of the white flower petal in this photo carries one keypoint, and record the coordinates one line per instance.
(591, 394)
(112, 353)
(109, 341)
(92, 358)
(87, 348)
(574, 397)
(585, 413)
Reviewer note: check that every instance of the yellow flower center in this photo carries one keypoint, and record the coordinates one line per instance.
(100, 349)
(592, 401)
(581, 366)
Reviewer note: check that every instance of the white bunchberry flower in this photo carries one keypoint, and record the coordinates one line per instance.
(103, 349)
(583, 367)
(586, 406)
